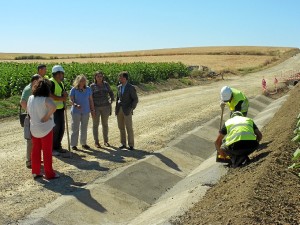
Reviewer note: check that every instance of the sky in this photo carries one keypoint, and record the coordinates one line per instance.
(97, 26)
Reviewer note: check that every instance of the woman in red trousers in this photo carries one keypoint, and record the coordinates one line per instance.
(40, 109)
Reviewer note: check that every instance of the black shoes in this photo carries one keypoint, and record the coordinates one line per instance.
(97, 144)
(61, 150)
(131, 148)
(74, 148)
(86, 147)
(122, 147)
(106, 144)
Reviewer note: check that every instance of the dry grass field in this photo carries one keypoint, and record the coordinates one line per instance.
(215, 62)
(216, 58)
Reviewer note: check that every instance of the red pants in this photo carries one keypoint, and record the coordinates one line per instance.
(45, 144)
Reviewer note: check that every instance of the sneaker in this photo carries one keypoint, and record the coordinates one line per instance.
(131, 148)
(74, 148)
(55, 153)
(122, 147)
(86, 147)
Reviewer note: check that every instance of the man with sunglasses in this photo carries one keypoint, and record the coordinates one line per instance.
(235, 99)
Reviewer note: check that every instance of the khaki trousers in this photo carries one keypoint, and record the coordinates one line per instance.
(103, 113)
(79, 122)
(125, 122)
(28, 152)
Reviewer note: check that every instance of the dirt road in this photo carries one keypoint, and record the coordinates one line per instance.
(158, 119)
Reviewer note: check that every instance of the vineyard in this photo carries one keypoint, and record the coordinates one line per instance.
(15, 76)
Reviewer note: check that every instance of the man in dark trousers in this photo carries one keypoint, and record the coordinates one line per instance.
(59, 95)
(127, 100)
(238, 138)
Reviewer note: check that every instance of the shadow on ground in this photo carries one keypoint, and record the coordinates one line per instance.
(112, 154)
(65, 185)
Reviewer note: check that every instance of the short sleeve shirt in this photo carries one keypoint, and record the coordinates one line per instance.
(26, 93)
(81, 98)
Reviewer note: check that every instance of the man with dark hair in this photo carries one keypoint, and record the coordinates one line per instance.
(59, 95)
(238, 138)
(127, 100)
(23, 102)
(42, 70)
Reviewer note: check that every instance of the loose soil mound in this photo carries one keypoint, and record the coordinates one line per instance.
(264, 192)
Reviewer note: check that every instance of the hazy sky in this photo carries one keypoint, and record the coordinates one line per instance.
(84, 26)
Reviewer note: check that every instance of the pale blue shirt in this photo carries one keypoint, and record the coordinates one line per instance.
(123, 88)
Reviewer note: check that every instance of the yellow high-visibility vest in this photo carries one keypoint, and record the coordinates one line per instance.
(239, 128)
(237, 97)
(58, 92)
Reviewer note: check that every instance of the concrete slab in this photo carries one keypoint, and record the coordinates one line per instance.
(263, 99)
(252, 113)
(197, 146)
(175, 161)
(214, 123)
(171, 206)
(207, 132)
(255, 104)
(265, 116)
(109, 206)
(144, 181)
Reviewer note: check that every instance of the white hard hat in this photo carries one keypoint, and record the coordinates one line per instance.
(57, 68)
(226, 94)
(236, 113)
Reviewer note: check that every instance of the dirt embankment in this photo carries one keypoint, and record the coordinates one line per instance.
(264, 192)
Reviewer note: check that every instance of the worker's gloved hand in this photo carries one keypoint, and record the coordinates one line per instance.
(222, 104)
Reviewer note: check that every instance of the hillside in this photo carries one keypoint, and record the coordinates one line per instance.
(216, 58)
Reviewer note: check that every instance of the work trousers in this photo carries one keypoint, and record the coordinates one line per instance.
(79, 122)
(103, 113)
(125, 121)
(28, 152)
(42, 144)
(239, 151)
(59, 129)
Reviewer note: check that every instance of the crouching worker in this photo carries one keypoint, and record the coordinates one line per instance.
(238, 138)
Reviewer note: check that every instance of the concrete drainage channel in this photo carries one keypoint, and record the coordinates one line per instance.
(152, 190)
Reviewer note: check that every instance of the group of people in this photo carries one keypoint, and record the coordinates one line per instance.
(45, 101)
(240, 136)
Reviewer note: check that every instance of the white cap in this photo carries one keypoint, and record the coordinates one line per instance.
(57, 68)
(226, 94)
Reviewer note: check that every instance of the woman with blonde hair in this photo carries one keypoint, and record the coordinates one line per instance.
(103, 97)
(82, 106)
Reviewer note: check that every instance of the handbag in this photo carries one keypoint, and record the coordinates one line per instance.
(22, 116)
(27, 132)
